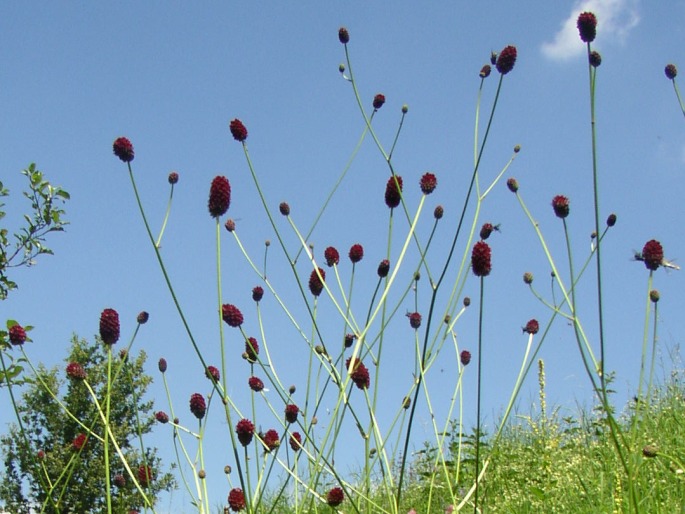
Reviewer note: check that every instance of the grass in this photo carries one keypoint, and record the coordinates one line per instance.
(549, 463)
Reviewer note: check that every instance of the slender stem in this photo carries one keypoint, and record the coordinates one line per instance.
(478, 393)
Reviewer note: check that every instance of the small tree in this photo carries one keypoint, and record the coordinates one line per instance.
(58, 443)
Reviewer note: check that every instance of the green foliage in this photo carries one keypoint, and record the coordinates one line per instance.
(45, 216)
(42, 465)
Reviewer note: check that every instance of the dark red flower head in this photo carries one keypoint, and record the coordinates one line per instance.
(162, 365)
(251, 349)
(79, 442)
(481, 259)
(238, 130)
(343, 35)
(162, 417)
(284, 208)
(532, 327)
(383, 268)
(257, 293)
(197, 405)
(356, 253)
(295, 441)
(414, 319)
(236, 499)
(109, 326)
(652, 254)
(393, 193)
(378, 101)
(332, 256)
(611, 220)
(512, 184)
(230, 225)
(219, 196)
(438, 212)
(428, 183)
(465, 357)
(123, 149)
(506, 60)
(271, 440)
(119, 480)
(671, 71)
(485, 71)
(145, 475)
(255, 384)
(142, 317)
(316, 283)
(291, 412)
(231, 315)
(360, 374)
(17, 335)
(212, 373)
(335, 497)
(173, 178)
(560, 204)
(486, 230)
(587, 26)
(245, 431)
(75, 371)
(595, 59)
(349, 340)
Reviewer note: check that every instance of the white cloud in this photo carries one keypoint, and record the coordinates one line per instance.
(615, 20)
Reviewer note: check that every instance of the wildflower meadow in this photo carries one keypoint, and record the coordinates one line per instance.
(358, 273)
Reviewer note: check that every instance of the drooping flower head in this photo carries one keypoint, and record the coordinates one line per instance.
(349, 340)
(335, 497)
(652, 254)
(109, 326)
(428, 183)
(360, 373)
(506, 59)
(75, 371)
(587, 26)
(255, 384)
(531, 327)
(465, 357)
(251, 349)
(316, 282)
(17, 335)
(393, 193)
(671, 71)
(238, 130)
(212, 373)
(343, 35)
(378, 101)
(271, 440)
(356, 253)
(291, 412)
(123, 149)
(295, 441)
(236, 499)
(231, 315)
(197, 405)
(332, 256)
(245, 431)
(219, 196)
(560, 204)
(481, 259)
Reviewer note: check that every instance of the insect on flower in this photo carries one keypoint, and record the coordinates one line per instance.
(637, 256)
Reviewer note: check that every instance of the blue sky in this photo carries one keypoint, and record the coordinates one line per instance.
(170, 76)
